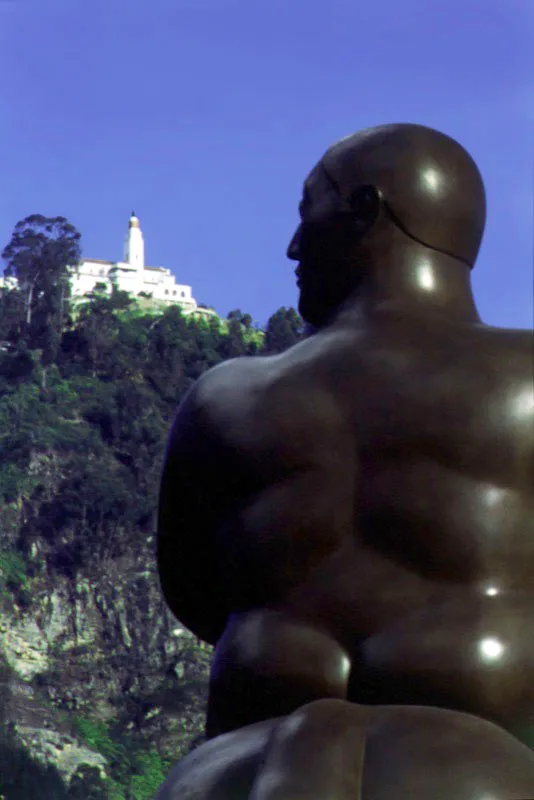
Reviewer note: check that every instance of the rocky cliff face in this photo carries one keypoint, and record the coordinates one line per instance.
(100, 688)
(99, 683)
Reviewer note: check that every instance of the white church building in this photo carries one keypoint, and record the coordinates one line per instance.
(131, 275)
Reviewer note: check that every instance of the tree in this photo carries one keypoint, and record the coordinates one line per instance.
(10, 315)
(93, 342)
(284, 329)
(169, 343)
(38, 256)
(244, 319)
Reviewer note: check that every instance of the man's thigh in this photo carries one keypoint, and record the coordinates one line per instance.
(223, 768)
(333, 749)
(425, 753)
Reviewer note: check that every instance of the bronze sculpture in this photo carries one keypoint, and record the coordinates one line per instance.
(352, 532)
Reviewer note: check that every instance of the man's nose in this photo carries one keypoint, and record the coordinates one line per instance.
(293, 251)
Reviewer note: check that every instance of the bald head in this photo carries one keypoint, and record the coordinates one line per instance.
(382, 210)
(429, 182)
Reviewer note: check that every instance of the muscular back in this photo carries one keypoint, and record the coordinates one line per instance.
(377, 481)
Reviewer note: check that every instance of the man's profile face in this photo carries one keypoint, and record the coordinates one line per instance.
(322, 245)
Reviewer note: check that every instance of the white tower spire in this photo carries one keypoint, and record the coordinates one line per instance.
(134, 246)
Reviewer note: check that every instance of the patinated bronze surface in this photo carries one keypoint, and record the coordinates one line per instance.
(350, 522)
(335, 750)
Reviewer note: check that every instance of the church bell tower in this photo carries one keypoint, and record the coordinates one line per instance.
(134, 246)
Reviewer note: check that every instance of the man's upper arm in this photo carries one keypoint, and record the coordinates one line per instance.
(193, 502)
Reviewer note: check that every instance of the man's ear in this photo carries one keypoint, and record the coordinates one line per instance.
(365, 203)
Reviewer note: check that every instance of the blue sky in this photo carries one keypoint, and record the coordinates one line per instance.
(205, 116)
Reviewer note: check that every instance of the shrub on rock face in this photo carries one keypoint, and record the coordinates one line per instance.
(86, 784)
(13, 576)
(22, 778)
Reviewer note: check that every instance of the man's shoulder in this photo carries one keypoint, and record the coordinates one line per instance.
(513, 347)
(229, 382)
(514, 337)
(224, 375)
(218, 397)
(254, 393)
(248, 376)
(426, 334)
(241, 388)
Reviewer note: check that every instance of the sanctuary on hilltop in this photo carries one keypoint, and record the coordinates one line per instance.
(131, 274)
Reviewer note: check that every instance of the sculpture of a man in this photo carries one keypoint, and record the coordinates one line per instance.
(349, 522)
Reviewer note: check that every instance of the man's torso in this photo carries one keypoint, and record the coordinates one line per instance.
(390, 500)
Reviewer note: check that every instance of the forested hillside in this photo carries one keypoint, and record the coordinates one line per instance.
(100, 688)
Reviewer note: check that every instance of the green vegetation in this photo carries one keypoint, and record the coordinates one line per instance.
(135, 774)
(84, 417)
(38, 256)
(87, 393)
(13, 576)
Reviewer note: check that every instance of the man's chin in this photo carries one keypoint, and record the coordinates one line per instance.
(314, 318)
